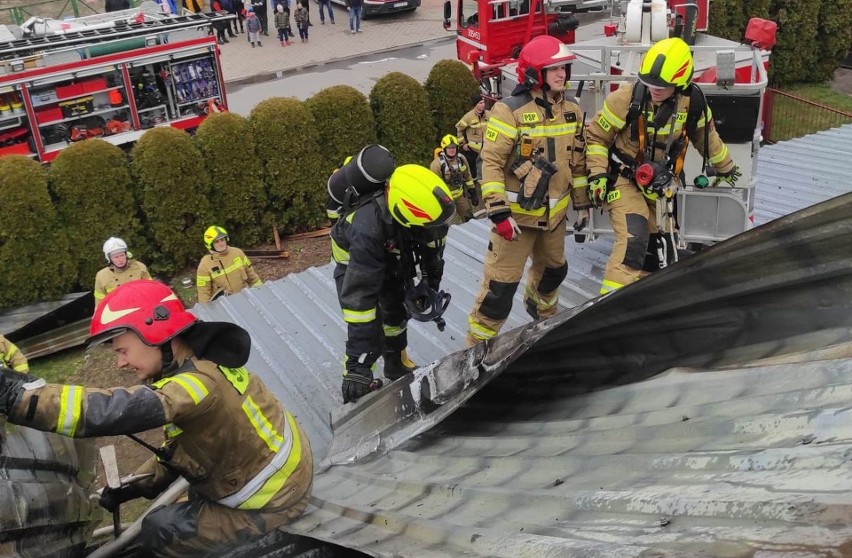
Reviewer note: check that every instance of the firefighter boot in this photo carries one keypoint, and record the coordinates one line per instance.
(397, 364)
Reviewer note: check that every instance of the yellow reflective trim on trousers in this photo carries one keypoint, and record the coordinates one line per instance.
(257, 283)
(70, 407)
(536, 297)
(502, 127)
(193, 386)
(493, 188)
(171, 431)
(456, 193)
(608, 286)
(393, 331)
(580, 182)
(600, 150)
(478, 330)
(611, 117)
(272, 486)
(720, 156)
(262, 426)
(359, 316)
(552, 130)
(338, 254)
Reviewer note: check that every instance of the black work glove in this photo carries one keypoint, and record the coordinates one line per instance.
(357, 382)
(473, 196)
(111, 498)
(11, 386)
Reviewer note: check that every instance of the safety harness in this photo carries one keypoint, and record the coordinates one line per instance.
(674, 148)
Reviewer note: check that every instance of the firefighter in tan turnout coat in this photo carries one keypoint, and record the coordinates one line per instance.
(247, 460)
(121, 268)
(650, 121)
(225, 270)
(533, 165)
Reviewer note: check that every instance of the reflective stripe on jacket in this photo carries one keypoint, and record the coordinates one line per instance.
(471, 129)
(224, 429)
(12, 357)
(561, 141)
(225, 272)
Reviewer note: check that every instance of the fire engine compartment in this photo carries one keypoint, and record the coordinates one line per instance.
(115, 86)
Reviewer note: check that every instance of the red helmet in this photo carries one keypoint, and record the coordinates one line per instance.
(539, 54)
(147, 307)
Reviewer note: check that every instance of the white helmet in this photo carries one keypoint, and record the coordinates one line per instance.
(113, 245)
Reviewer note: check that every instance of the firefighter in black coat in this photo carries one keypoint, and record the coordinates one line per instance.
(382, 233)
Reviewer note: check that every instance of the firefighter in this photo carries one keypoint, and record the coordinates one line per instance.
(121, 268)
(533, 165)
(375, 246)
(649, 121)
(247, 460)
(225, 270)
(470, 130)
(12, 357)
(453, 167)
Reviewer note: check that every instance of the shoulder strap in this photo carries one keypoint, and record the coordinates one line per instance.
(697, 109)
(634, 110)
(514, 102)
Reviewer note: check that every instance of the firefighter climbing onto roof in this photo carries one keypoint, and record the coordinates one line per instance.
(225, 270)
(392, 221)
(635, 151)
(453, 167)
(247, 460)
(121, 268)
(533, 165)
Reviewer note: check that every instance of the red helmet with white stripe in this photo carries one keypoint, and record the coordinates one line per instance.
(149, 308)
(539, 54)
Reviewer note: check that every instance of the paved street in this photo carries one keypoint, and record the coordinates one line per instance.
(243, 64)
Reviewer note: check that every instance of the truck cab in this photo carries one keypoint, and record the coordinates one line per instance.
(490, 33)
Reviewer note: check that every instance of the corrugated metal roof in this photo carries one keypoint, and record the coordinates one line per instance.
(712, 464)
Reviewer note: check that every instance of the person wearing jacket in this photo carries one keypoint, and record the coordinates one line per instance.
(12, 357)
(121, 268)
(260, 10)
(454, 169)
(533, 165)
(253, 28)
(225, 270)
(658, 131)
(248, 462)
(471, 130)
(282, 24)
(369, 244)
(302, 19)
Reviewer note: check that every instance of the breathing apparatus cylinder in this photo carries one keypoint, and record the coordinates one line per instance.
(364, 174)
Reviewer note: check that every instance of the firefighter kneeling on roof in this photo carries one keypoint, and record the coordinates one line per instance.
(391, 220)
(533, 164)
(644, 128)
(247, 460)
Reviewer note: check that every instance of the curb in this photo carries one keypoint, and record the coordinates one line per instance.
(278, 74)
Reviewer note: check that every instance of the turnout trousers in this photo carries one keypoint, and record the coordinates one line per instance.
(634, 219)
(199, 527)
(504, 267)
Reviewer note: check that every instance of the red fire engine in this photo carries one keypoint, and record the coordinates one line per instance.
(111, 76)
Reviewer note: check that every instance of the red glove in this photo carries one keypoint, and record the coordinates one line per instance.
(508, 229)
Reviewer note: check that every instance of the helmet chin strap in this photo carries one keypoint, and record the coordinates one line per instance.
(168, 357)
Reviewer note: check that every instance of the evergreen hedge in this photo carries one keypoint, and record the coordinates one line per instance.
(288, 148)
(34, 253)
(93, 193)
(404, 121)
(238, 196)
(175, 194)
(450, 86)
(813, 35)
(344, 122)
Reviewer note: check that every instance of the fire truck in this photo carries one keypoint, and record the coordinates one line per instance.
(732, 76)
(110, 76)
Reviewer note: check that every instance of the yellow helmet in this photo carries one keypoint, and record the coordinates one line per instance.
(667, 64)
(214, 233)
(449, 141)
(417, 197)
